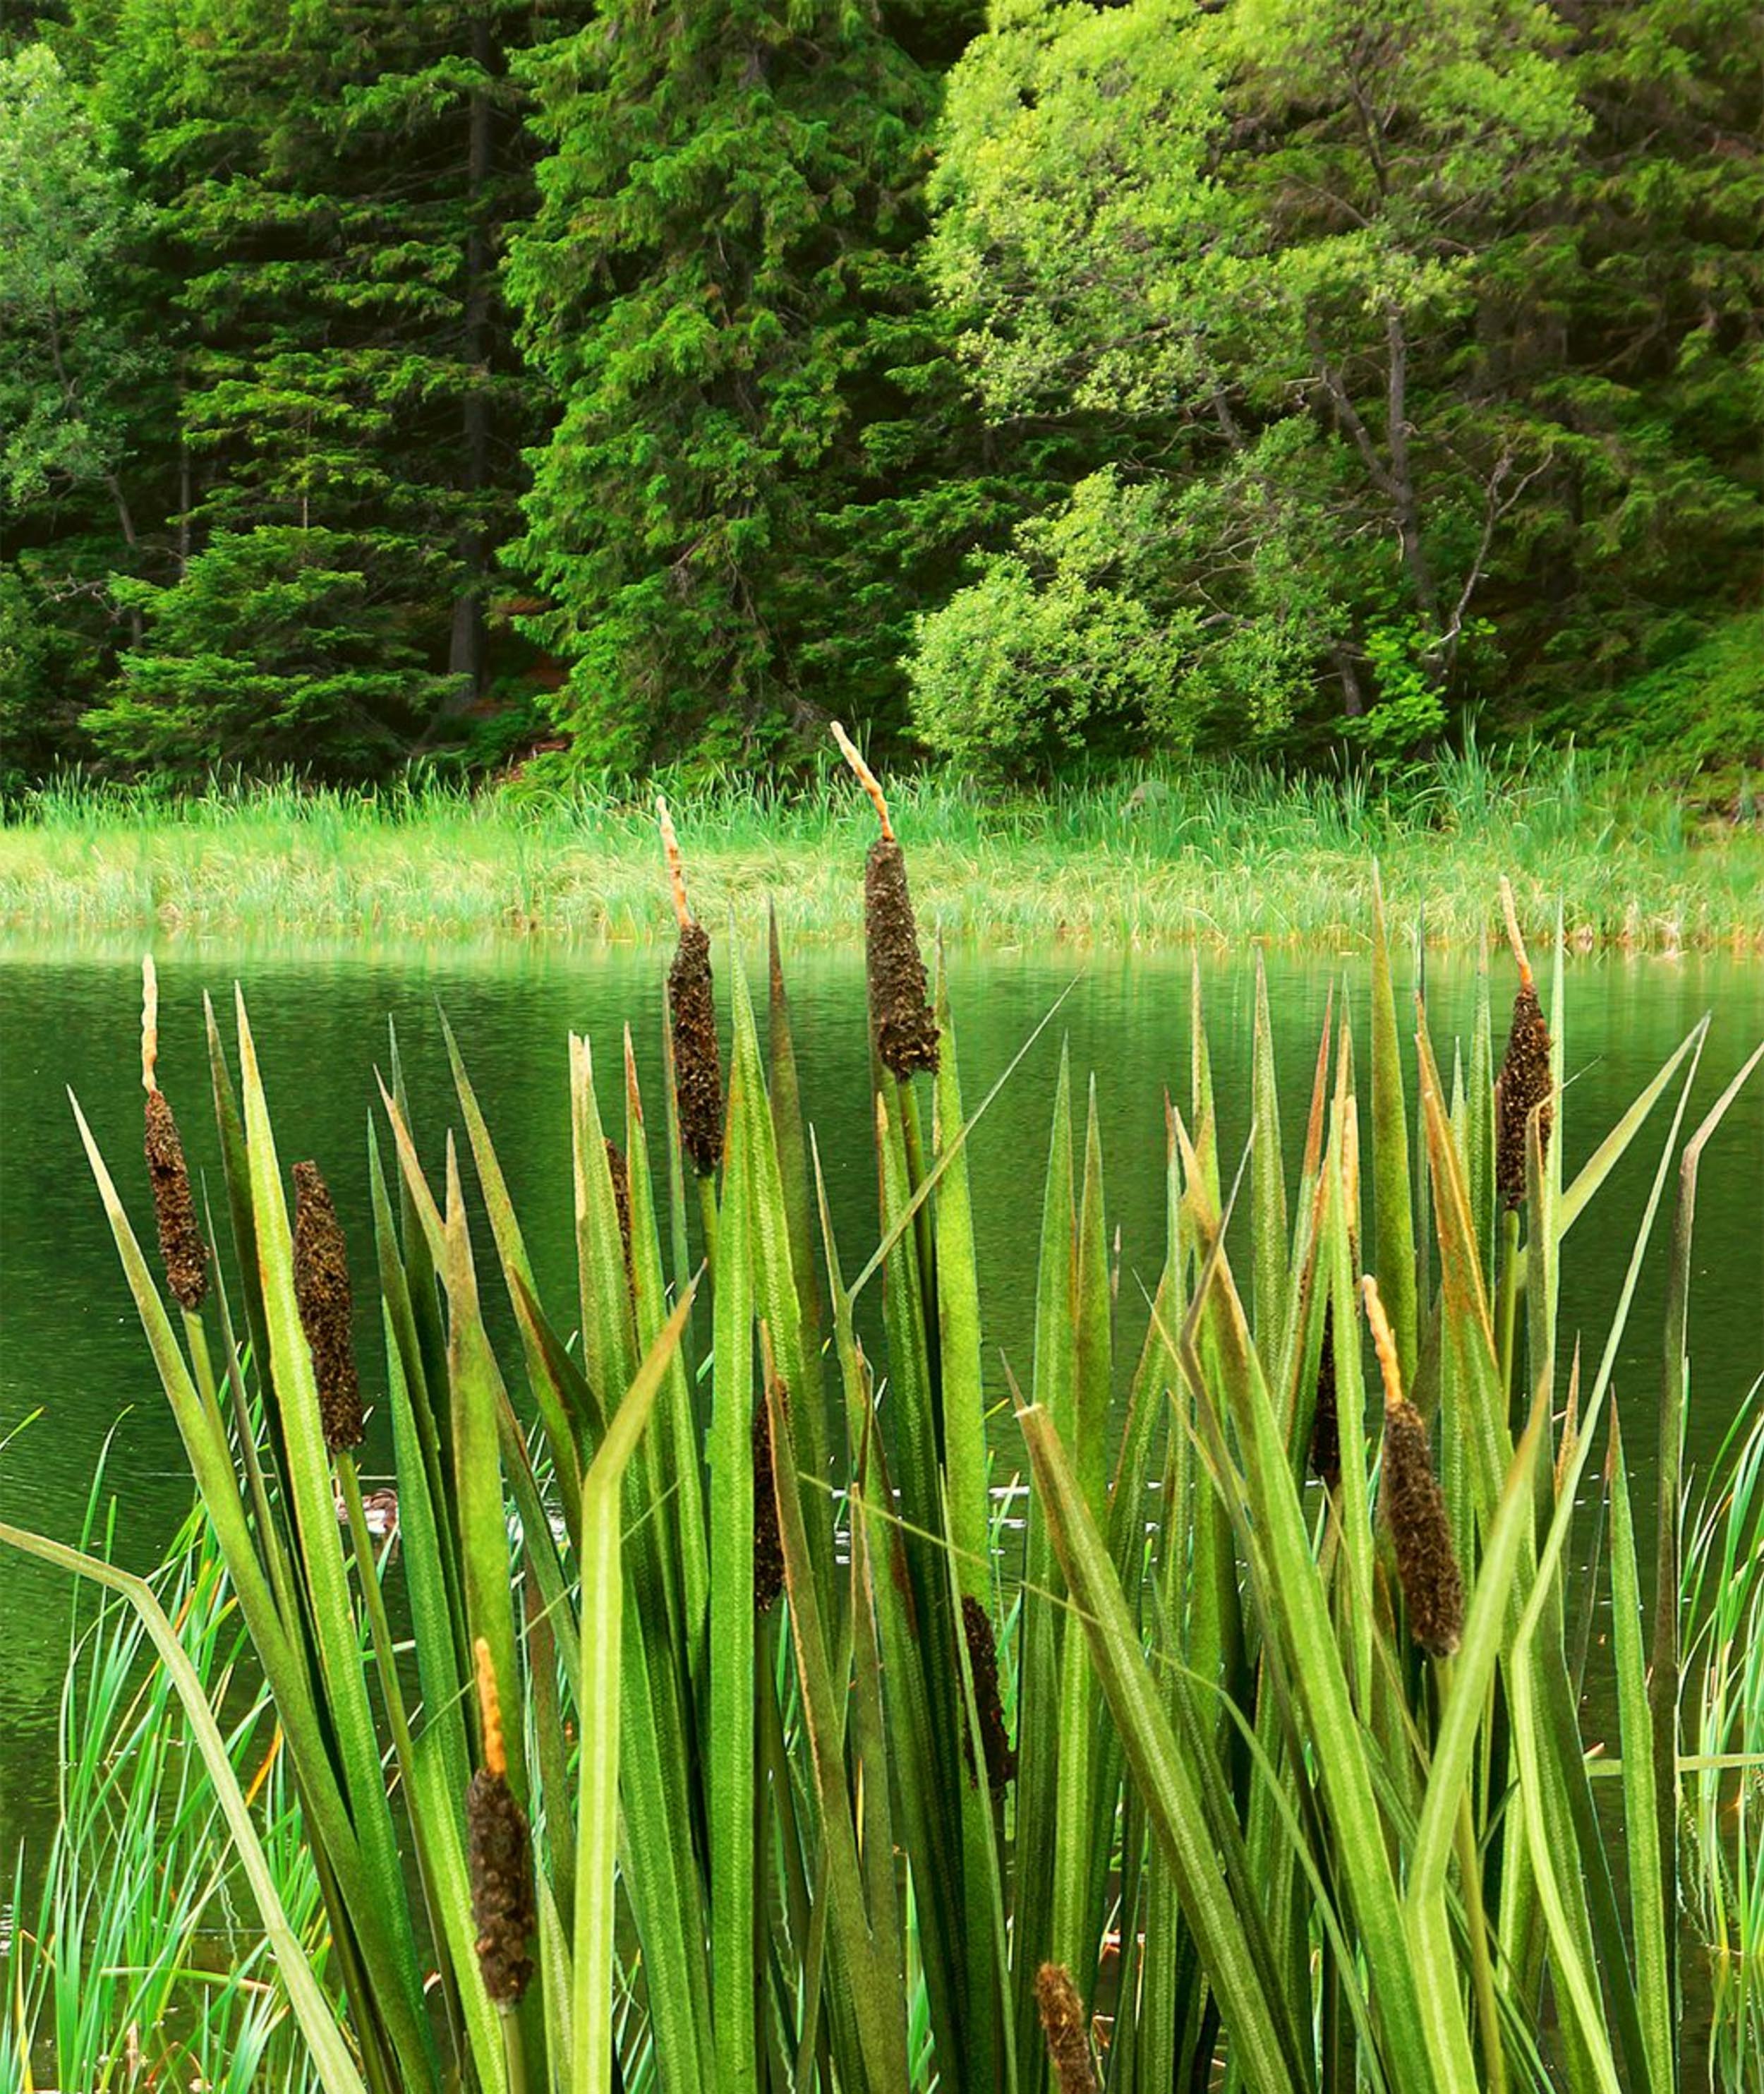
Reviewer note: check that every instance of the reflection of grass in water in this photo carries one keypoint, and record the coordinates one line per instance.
(135, 1959)
(1724, 1802)
(1218, 854)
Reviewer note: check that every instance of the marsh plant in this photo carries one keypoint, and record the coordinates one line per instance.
(736, 1747)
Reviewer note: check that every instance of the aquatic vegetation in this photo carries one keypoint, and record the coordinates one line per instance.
(710, 1726)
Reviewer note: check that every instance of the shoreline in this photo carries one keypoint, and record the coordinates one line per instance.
(1210, 865)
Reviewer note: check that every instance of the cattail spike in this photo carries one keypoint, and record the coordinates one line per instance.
(498, 1852)
(866, 778)
(983, 1665)
(1523, 1086)
(322, 1296)
(697, 1071)
(900, 998)
(1326, 1423)
(1426, 1563)
(181, 1247)
(490, 1709)
(1062, 2025)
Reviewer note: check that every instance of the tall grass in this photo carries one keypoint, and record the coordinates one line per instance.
(1724, 1815)
(1215, 854)
(826, 1790)
(139, 1963)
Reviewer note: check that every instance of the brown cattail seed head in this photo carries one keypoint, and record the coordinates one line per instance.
(180, 1240)
(768, 1541)
(1326, 1424)
(326, 1308)
(900, 1010)
(500, 1862)
(697, 1073)
(1426, 1561)
(1062, 2020)
(1524, 1084)
(983, 1664)
(620, 1173)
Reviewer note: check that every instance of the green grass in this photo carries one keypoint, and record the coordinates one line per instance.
(1221, 855)
(1186, 1743)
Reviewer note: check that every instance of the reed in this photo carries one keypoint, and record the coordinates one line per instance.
(821, 1780)
(1210, 853)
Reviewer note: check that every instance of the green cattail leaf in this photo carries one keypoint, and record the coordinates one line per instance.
(1265, 2045)
(1392, 1195)
(1268, 1182)
(597, 1821)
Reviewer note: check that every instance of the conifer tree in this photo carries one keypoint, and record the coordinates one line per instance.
(336, 179)
(741, 503)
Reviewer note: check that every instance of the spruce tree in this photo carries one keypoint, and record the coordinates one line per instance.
(743, 499)
(336, 179)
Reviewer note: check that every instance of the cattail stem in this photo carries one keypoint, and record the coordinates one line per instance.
(1506, 1308)
(866, 778)
(1515, 936)
(150, 1023)
(670, 850)
(1475, 1914)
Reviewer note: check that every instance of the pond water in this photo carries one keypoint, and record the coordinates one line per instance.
(70, 1347)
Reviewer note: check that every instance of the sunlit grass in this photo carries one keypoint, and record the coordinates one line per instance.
(1217, 856)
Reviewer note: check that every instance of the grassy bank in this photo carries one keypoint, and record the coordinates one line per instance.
(1224, 856)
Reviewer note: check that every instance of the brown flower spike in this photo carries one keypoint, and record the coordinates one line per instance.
(1523, 1084)
(499, 1857)
(768, 1540)
(1062, 2020)
(1432, 1585)
(174, 1206)
(698, 1087)
(326, 1307)
(1326, 1423)
(983, 1663)
(899, 1003)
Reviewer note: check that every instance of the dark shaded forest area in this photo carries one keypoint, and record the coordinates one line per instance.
(460, 378)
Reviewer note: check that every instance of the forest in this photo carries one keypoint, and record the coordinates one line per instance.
(464, 383)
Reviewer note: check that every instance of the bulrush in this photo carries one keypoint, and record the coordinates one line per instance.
(1326, 1423)
(983, 1664)
(1062, 2021)
(1432, 1585)
(499, 1857)
(174, 1206)
(900, 1001)
(326, 1307)
(768, 1542)
(1524, 1084)
(697, 1072)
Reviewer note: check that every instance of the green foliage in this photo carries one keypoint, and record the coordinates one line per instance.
(274, 648)
(1317, 266)
(738, 511)
(1701, 709)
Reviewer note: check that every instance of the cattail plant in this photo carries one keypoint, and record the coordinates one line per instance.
(326, 1307)
(181, 1247)
(697, 1071)
(1413, 1505)
(1062, 2025)
(899, 1001)
(499, 1857)
(733, 1833)
(1523, 1086)
(1325, 1422)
